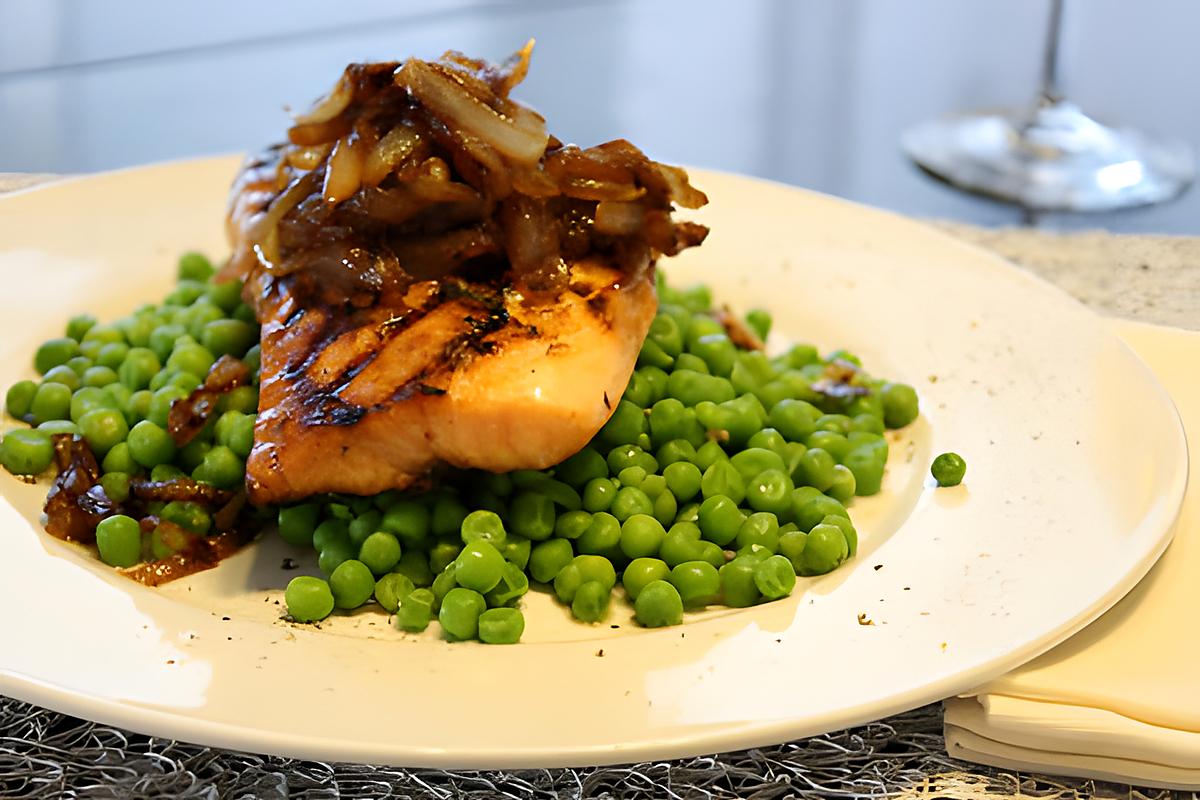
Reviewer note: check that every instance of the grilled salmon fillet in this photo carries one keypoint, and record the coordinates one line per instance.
(430, 294)
(453, 379)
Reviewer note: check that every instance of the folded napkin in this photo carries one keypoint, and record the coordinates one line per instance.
(1119, 701)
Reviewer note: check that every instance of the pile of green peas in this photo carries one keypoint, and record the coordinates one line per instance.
(113, 384)
(721, 476)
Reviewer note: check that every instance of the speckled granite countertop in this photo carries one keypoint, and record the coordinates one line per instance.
(1147, 278)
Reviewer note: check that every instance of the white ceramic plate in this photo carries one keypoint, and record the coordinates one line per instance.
(1076, 472)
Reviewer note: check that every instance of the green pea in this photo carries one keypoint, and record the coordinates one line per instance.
(708, 454)
(681, 543)
(631, 476)
(656, 383)
(598, 495)
(447, 516)
(720, 519)
(352, 584)
(112, 355)
(53, 426)
(696, 298)
(643, 571)
(308, 599)
(380, 552)
(161, 403)
(835, 444)
(664, 331)
(630, 455)
(226, 295)
(948, 469)
(739, 418)
(867, 423)
(753, 461)
(824, 550)
(459, 613)
(221, 467)
(795, 419)
(55, 352)
(847, 528)
(548, 558)
(639, 391)
(414, 565)
(78, 365)
(165, 472)
(390, 588)
(760, 528)
(689, 513)
(64, 375)
(479, 566)
(409, 521)
(139, 367)
(532, 515)
(118, 459)
(89, 398)
(591, 600)
(791, 547)
(666, 507)
(501, 626)
(769, 439)
(297, 523)
(652, 355)
(602, 534)
(759, 321)
(867, 466)
(19, 398)
(717, 351)
(738, 587)
(771, 490)
(900, 405)
(658, 604)
(584, 466)
(150, 445)
(116, 486)
(103, 428)
(190, 516)
(690, 387)
(50, 401)
(26, 452)
(572, 524)
(512, 587)
(228, 337)
(843, 486)
(641, 536)
(683, 479)
(192, 454)
(163, 339)
(698, 583)
(815, 469)
(722, 478)
(331, 531)
(189, 357)
(443, 554)
(101, 334)
(693, 363)
(670, 420)
(630, 500)
(774, 577)
(675, 451)
(78, 326)
(415, 611)
(810, 512)
(235, 430)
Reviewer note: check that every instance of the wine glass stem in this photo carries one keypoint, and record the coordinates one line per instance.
(1049, 89)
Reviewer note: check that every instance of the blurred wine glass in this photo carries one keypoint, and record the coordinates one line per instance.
(1053, 156)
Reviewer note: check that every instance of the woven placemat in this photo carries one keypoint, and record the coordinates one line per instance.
(44, 754)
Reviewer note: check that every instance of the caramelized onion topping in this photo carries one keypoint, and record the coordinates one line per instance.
(431, 168)
(189, 415)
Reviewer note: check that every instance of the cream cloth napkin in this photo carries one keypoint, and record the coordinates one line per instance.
(1119, 701)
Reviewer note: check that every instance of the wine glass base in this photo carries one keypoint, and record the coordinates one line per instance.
(1053, 159)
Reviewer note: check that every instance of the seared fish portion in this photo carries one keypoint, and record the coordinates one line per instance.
(497, 384)
(440, 281)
